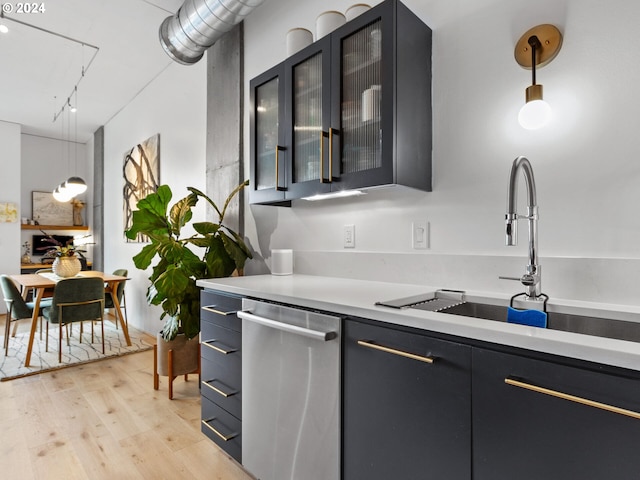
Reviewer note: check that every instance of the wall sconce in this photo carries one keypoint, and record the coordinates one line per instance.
(536, 48)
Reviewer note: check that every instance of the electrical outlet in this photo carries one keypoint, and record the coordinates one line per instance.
(349, 237)
(420, 235)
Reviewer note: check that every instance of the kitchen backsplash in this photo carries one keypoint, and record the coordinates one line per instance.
(602, 280)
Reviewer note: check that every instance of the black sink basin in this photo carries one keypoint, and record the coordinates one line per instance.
(599, 327)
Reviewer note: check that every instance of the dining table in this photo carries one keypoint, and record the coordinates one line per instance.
(39, 282)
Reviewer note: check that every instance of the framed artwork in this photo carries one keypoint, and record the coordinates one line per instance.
(141, 173)
(8, 212)
(46, 210)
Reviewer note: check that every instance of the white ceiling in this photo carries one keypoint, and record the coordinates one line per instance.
(36, 66)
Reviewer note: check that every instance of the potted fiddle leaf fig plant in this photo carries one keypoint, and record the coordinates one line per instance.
(213, 251)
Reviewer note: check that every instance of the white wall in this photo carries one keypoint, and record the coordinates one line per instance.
(174, 105)
(585, 165)
(10, 192)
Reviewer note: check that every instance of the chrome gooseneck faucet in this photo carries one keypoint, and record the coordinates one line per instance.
(531, 279)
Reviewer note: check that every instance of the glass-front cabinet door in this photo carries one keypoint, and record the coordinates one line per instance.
(268, 150)
(363, 101)
(353, 110)
(308, 80)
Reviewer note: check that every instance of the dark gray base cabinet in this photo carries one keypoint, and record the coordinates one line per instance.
(221, 370)
(519, 433)
(404, 418)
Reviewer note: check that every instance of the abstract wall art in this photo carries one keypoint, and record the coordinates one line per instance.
(8, 212)
(141, 173)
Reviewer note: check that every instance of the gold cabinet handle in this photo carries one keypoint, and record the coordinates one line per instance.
(331, 133)
(209, 343)
(393, 351)
(322, 134)
(218, 390)
(278, 187)
(277, 163)
(572, 398)
(225, 438)
(212, 309)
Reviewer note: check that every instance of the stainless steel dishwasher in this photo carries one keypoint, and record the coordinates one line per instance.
(291, 392)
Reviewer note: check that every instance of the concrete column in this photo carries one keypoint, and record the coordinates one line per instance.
(225, 77)
(98, 199)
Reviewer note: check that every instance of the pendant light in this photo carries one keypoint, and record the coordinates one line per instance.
(74, 184)
(60, 193)
(537, 47)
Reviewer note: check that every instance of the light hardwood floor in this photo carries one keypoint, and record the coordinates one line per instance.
(104, 421)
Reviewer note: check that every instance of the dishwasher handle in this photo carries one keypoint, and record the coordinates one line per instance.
(287, 327)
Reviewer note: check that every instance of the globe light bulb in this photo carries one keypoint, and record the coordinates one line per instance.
(75, 185)
(61, 194)
(534, 114)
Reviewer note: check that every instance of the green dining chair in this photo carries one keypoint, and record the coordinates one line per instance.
(17, 308)
(108, 299)
(75, 300)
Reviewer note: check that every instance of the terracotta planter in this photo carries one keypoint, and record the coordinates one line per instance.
(186, 354)
(66, 266)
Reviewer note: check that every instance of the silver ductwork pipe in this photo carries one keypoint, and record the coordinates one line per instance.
(197, 25)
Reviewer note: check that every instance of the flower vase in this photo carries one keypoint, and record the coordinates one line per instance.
(66, 266)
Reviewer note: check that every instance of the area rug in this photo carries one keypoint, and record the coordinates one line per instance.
(12, 365)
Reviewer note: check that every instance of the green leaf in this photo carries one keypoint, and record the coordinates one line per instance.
(205, 228)
(146, 222)
(151, 214)
(181, 213)
(157, 202)
(230, 197)
(143, 259)
(172, 282)
(211, 202)
(233, 249)
(219, 263)
(239, 240)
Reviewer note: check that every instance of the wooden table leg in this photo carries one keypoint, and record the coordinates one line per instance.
(34, 324)
(120, 316)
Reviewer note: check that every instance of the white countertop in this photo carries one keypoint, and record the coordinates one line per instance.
(357, 298)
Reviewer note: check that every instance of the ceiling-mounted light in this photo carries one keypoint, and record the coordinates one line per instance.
(537, 47)
(4, 28)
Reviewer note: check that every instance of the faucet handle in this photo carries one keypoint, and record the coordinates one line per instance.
(517, 279)
(526, 279)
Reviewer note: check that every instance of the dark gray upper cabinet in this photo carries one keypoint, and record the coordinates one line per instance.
(352, 110)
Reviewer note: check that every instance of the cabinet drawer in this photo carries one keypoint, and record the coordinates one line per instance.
(219, 339)
(222, 385)
(223, 428)
(220, 309)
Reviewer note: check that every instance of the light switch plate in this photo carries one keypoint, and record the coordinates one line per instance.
(420, 235)
(349, 236)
